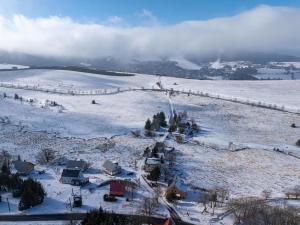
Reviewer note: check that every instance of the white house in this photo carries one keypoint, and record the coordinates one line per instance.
(111, 168)
(73, 176)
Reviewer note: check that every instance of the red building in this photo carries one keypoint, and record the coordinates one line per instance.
(169, 222)
(117, 188)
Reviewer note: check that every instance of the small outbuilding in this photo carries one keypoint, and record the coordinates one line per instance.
(111, 168)
(73, 176)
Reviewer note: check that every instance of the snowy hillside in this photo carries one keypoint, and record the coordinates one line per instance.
(34, 117)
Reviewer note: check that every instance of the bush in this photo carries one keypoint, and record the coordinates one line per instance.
(46, 155)
(93, 102)
(100, 217)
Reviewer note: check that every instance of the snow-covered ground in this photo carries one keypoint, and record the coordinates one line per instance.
(272, 92)
(70, 80)
(77, 127)
(112, 114)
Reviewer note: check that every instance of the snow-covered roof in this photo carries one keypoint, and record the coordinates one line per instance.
(76, 164)
(152, 161)
(23, 167)
(110, 166)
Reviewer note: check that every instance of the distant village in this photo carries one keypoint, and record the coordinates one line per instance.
(156, 169)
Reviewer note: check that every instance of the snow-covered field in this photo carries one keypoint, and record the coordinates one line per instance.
(272, 92)
(70, 80)
(77, 127)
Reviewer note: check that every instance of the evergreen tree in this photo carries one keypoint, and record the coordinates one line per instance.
(148, 124)
(15, 183)
(5, 168)
(154, 174)
(298, 143)
(162, 118)
(33, 194)
(26, 200)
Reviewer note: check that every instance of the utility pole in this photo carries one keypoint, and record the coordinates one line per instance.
(8, 204)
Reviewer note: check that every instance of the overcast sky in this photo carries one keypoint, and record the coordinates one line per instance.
(264, 28)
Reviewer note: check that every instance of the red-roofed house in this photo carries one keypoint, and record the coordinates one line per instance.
(117, 188)
(169, 222)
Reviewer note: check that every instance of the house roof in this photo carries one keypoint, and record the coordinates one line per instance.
(76, 164)
(178, 185)
(169, 222)
(152, 161)
(70, 173)
(109, 166)
(23, 166)
(117, 188)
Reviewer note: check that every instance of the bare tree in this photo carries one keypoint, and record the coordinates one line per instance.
(205, 200)
(296, 191)
(46, 155)
(172, 160)
(213, 200)
(148, 206)
(266, 194)
(157, 193)
(223, 195)
(256, 211)
(6, 157)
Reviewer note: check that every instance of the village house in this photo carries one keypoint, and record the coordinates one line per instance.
(73, 176)
(169, 222)
(151, 163)
(77, 164)
(111, 168)
(175, 190)
(23, 168)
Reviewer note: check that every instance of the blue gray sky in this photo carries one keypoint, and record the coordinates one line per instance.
(166, 11)
(148, 29)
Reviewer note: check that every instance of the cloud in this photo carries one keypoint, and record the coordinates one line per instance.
(263, 29)
(150, 18)
(114, 21)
